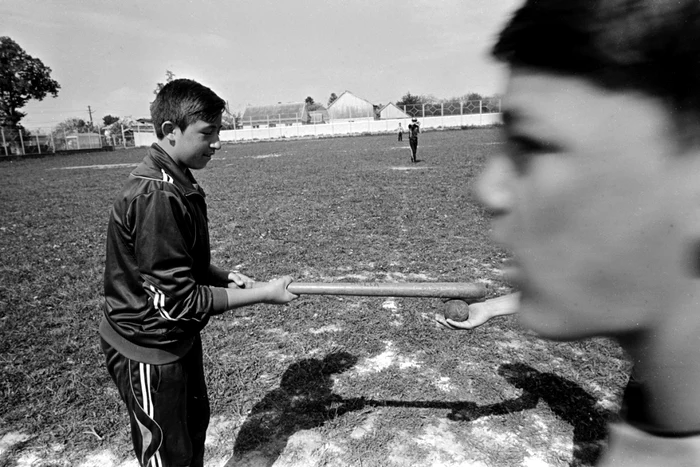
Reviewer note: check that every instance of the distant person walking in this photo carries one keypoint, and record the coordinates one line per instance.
(413, 130)
(400, 132)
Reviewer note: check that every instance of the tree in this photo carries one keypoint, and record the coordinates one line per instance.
(428, 99)
(309, 100)
(409, 99)
(332, 99)
(169, 76)
(73, 125)
(115, 128)
(109, 119)
(230, 121)
(22, 77)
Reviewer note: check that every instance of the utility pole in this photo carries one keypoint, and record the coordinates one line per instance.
(90, 112)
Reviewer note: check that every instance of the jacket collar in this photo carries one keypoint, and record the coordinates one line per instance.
(157, 163)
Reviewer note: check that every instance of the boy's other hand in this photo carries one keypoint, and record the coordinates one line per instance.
(478, 315)
(236, 280)
(481, 312)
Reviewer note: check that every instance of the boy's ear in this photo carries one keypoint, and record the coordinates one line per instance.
(169, 129)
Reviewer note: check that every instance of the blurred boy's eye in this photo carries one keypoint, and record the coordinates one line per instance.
(521, 150)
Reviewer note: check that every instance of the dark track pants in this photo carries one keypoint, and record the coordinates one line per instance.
(413, 142)
(168, 407)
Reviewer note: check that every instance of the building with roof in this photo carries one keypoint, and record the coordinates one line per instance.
(266, 116)
(319, 114)
(75, 140)
(391, 110)
(348, 108)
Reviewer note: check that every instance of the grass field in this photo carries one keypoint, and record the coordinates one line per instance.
(323, 381)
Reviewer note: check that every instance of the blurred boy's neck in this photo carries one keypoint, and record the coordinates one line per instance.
(665, 366)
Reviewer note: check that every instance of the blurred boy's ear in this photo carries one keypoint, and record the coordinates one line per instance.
(687, 187)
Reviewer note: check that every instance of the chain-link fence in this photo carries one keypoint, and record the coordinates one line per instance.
(122, 137)
(19, 142)
(71, 141)
(22, 142)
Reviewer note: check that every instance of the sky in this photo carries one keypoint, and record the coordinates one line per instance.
(109, 56)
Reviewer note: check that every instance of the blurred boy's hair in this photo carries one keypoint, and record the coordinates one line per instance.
(652, 46)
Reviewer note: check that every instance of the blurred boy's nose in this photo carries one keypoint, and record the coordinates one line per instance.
(494, 187)
(216, 144)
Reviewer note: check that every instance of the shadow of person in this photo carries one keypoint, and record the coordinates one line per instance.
(566, 399)
(304, 400)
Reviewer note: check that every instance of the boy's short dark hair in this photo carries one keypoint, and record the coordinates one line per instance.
(183, 102)
(648, 45)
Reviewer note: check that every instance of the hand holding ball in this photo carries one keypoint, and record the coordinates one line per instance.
(457, 310)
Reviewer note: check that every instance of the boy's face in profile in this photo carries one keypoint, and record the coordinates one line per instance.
(592, 196)
(194, 147)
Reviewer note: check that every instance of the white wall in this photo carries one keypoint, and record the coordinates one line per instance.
(144, 139)
(358, 127)
(341, 128)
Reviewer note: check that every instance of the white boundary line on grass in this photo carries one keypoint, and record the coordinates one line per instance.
(411, 168)
(100, 166)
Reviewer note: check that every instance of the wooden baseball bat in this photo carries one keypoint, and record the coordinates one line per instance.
(451, 290)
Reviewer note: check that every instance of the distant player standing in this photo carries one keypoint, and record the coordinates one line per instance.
(400, 132)
(413, 130)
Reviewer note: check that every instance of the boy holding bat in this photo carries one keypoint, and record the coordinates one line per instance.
(597, 194)
(160, 286)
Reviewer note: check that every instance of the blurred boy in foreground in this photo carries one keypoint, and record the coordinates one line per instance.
(598, 197)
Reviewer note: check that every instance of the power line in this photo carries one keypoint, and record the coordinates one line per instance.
(39, 111)
(34, 111)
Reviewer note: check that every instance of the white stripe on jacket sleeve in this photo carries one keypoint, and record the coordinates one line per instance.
(159, 303)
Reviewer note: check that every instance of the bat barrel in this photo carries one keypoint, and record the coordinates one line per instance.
(453, 290)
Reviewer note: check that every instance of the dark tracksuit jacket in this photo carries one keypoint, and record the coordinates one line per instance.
(158, 291)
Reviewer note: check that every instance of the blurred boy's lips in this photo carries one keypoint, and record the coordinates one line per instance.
(510, 273)
(514, 274)
(510, 270)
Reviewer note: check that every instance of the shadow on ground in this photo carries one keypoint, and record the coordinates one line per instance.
(566, 399)
(305, 400)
